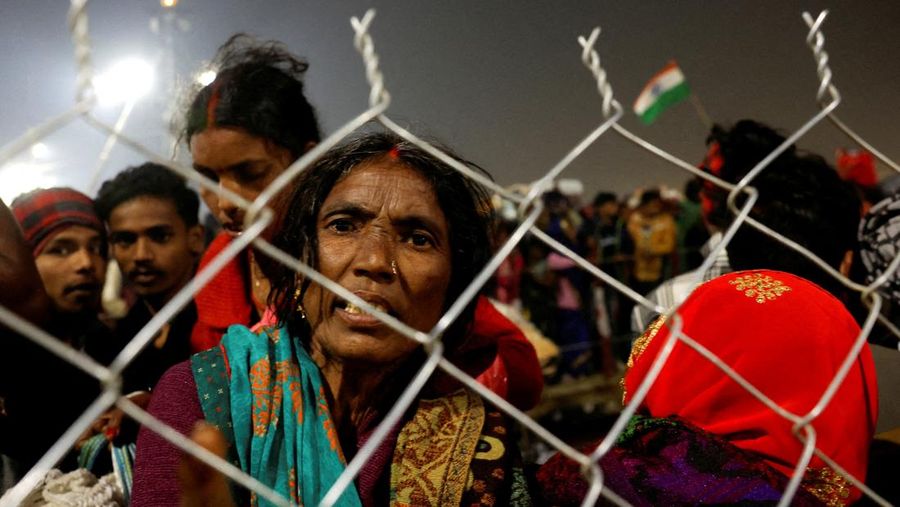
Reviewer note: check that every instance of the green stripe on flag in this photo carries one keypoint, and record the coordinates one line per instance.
(668, 98)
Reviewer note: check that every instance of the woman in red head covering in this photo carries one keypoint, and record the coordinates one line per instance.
(701, 437)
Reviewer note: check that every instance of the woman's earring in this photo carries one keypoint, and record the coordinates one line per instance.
(394, 267)
(300, 309)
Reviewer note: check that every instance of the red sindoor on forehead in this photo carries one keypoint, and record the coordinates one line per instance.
(212, 105)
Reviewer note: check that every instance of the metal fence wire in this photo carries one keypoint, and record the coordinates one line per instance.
(529, 206)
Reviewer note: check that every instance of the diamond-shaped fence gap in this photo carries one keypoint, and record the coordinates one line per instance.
(202, 277)
(629, 410)
(56, 452)
(184, 296)
(186, 444)
(488, 271)
(43, 130)
(111, 139)
(483, 276)
(825, 85)
(591, 60)
(816, 41)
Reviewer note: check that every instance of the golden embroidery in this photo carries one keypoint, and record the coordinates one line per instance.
(641, 343)
(638, 348)
(434, 451)
(762, 288)
(493, 450)
(827, 485)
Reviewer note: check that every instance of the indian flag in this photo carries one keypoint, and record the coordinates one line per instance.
(666, 88)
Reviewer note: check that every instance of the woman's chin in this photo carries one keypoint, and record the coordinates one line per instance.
(361, 347)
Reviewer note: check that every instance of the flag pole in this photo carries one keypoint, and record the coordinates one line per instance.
(701, 111)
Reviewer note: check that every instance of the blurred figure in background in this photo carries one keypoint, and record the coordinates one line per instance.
(571, 288)
(653, 231)
(537, 286)
(508, 277)
(692, 232)
(857, 167)
(603, 236)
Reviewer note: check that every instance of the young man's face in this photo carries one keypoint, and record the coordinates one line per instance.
(240, 162)
(72, 266)
(155, 249)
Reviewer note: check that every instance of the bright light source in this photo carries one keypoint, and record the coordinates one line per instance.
(40, 151)
(206, 77)
(168, 3)
(20, 177)
(129, 79)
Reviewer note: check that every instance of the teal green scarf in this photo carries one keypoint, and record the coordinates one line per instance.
(280, 431)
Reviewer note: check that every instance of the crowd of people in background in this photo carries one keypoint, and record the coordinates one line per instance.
(654, 239)
(287, 380)
(639, 241)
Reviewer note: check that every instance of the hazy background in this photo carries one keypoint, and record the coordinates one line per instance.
(502, 82)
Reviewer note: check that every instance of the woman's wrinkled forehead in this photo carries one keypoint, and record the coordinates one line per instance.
(384, 160)
(381, 178)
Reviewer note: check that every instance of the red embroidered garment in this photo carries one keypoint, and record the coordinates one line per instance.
(787, 337)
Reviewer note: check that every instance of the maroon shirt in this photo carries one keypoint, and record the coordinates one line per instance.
(175, 402)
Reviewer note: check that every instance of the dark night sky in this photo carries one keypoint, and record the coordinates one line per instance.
(502, 82)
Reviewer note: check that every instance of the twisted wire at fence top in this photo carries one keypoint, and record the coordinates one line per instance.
(259, 215)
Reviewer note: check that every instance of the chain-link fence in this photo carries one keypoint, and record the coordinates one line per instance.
(529, 206)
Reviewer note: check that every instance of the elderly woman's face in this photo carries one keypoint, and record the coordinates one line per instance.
(382, 235)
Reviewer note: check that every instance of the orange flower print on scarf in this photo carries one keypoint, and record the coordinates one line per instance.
(287, 374)
(327, 423)
(261, 389)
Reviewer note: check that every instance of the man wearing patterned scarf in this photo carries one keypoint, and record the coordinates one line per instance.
(69, 245)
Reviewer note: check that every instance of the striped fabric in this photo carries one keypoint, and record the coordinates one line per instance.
(675, 290)
(42, 212)
(122, 460)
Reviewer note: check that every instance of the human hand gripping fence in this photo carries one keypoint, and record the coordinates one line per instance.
(259, 215)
